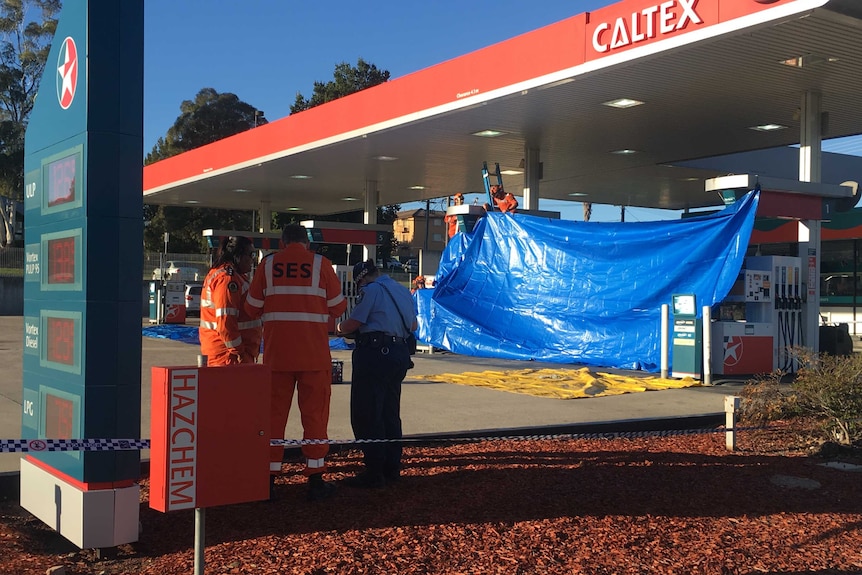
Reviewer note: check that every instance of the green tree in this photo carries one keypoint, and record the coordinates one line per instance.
(346, 80)
(209, 117)
(26, 30)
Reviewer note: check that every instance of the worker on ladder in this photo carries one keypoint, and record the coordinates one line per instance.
(503, 200)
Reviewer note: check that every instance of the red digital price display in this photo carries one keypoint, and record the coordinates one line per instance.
(62, 175)
(59, 417)
(60, 335)
(61, 260)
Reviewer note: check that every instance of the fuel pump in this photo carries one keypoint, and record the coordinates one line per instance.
(760, 321)
(785, 311)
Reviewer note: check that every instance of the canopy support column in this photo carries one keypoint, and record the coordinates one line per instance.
(532, 175)
(372, 197)
(811, 133)
(265, 217)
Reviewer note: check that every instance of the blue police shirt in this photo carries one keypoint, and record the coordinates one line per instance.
(379, 312)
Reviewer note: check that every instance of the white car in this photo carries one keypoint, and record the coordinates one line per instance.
(183, 271)
(193, 299)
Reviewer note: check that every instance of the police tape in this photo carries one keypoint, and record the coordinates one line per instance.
(49, 445)
(52, 445)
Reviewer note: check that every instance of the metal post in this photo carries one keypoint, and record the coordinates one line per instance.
(427, 232)
(707, 345)
(160, 314)
(731, 406)
(200, 516)
(200, 536)
(664, 339)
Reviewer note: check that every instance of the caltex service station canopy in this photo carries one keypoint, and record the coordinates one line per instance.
(702, 78)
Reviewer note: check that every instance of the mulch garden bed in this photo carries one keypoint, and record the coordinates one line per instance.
(676, 505)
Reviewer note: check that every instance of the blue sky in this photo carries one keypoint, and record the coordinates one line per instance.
(265, 51)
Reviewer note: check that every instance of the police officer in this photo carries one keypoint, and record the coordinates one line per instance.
(227, 333)
(382, 320)
(296, 291)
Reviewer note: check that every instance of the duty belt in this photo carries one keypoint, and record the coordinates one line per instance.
(377, 339)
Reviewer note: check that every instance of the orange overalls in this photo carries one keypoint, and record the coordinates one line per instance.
(451, 224)
(506, 202)
(228, 334)
(296, 291)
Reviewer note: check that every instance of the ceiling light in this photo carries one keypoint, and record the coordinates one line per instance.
(511, 172)
(385, 158)
(349, 199)
(241, 191)
(300, 177)
(767, 127)
(293, 209)
(625, 152)
(192, 202)
(807, 61)
(416, 188)
(489, 133)
(622, 103)
(557, 83)
(577, 194)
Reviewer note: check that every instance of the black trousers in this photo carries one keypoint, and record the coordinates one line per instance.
(375, 402)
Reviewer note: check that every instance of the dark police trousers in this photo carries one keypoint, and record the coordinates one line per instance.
(379, 367)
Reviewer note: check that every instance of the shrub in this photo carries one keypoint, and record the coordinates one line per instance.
(828, 388)
(766, 399)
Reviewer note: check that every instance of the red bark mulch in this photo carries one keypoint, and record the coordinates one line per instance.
(674, 505)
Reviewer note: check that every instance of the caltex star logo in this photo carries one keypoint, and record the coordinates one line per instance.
(732, 350)
(67, 72)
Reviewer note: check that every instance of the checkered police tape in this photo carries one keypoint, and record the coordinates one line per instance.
(43, 445)
(533, 437)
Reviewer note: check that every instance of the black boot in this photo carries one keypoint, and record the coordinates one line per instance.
(319, 489)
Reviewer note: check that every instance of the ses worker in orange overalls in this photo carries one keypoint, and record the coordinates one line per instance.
(228, 334)
(452, 220)
(504, 201)
(296, 291)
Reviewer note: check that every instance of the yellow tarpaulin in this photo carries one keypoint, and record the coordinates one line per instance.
(560, 383)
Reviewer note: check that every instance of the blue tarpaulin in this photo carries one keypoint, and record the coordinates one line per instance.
(523, 287)
(189, 334)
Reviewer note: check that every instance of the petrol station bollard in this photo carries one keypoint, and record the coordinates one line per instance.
(731, 406)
